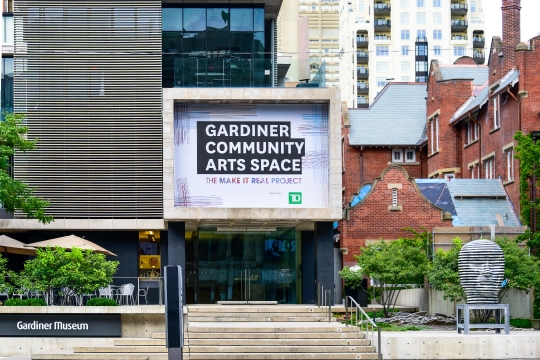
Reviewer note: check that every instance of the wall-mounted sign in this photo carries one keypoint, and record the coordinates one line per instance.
(60, 325)
(251, 155)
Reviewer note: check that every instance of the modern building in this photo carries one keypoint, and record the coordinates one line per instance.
(394, 40)
(165, 139)
(6, 66)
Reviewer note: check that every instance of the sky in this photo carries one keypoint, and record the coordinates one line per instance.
(530, 9)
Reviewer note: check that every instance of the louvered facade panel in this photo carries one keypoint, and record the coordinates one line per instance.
(88, 78)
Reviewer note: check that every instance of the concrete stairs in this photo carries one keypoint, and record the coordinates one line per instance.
(241, 332)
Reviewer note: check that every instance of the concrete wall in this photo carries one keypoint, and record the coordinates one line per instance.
(520, 303)
(412, 298)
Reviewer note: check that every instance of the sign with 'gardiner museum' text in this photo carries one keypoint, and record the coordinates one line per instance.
(251, 155)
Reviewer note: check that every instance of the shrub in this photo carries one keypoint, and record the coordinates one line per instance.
(26, 302)
(521, 323)
(101, 302)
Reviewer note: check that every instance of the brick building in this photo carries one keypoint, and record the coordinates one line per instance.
(471, 123)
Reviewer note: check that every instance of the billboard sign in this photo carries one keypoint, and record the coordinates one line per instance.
(251, 155)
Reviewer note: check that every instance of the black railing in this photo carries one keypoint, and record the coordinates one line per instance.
(459, 23)
(458, 6)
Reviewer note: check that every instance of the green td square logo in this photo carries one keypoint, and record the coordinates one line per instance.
(295, 198)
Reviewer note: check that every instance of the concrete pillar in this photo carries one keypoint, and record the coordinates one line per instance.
(309, 289)
(176, 245)
(324, 254)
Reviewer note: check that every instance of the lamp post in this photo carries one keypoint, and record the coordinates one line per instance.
(535, 135)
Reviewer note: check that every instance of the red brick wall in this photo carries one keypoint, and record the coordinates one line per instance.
(371, 219)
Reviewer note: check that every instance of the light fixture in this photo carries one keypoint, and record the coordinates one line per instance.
(151, 232)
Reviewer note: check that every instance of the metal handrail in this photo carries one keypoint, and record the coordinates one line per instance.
(324, 300)
(363, 321)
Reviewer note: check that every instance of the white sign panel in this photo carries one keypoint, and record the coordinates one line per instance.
(251, 155)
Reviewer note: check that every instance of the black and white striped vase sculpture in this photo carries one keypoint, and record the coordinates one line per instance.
(481, 271)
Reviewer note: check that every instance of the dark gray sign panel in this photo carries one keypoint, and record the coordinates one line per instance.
(60, 325)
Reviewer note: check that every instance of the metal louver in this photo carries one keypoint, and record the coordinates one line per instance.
(88, 77)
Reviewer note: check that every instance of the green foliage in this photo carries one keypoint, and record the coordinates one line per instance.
(393, 264)
(521, 323)
(101, 302)
(531, 239)
(76, 271)
(528, 154)
(353, 278)
(3, 273)
(536, 305)
(521, 270)
(15, 194)
(25, 302)
(443, 273)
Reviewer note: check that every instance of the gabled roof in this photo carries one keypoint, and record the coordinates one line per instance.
(396, 118)
(472, 202)
(479, 74)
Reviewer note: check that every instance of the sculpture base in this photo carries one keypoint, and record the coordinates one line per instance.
(463, 313)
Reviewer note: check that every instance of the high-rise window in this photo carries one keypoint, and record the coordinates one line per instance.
(436, 3)
(405, 50)
(7, 85)
(381, 82)
(404, 3)
(381, 51)
(404, 18)
(405, 78)
(421, 34)
(473, 6)
(421, 18)
(437, 50)
(437, 34)
(437, 18)
(459, 50)
(382, 67)
(361, 6)
(405, 35)
(420, 3)
(405, 66)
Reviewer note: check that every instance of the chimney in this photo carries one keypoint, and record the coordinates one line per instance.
(511, 33)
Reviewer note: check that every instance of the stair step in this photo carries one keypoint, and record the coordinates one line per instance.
(246, 341)
(279, 349)
(69, 355)
(311, 335)
(255, 309)
(119, 349)
(256, 314)
(259, 318)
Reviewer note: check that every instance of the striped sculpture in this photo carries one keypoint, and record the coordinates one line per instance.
(481, 271)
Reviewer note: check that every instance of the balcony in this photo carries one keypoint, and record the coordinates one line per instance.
(458, 9)
(459, 38)
(362, 74)
(479, 56)
(362, 41)
(362, 88)
(362, 57)
(479, 42)
(382, 25)
(362, 103)
(380, 9)
(458, 25)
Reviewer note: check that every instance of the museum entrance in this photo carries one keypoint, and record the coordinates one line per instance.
(242, 266)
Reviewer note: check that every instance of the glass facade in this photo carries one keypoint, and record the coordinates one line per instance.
(7, 85)
(242, 266)
(215, 47)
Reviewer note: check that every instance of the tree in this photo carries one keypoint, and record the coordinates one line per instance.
(394, 264)
(528, 154)
(3, 273)
(75, 272)
(443, 272)
(15, 194)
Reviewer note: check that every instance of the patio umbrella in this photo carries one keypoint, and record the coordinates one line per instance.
(12, 246)
(71, 241)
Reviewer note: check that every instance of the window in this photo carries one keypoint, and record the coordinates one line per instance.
(404, 3)
(436, 3)
(472, 132)
(405, 35)
(397, 155)
(405, 78)
(404, 18)
(421, 66)
(510, 164)
(474, 171)
(421, 50)
(382, 67)
(410, 155)
(420, 3)
(459, 50)
(489, 168)
(421, 34)
(473, 6)
(381, 82)
(436, 50)
(437, 18)
(437, 34)
(394, 197)
(405, 66)
(434, 135)
(421, 18)
(405, 50)
(496, 112)
(381, 50)
(361, 6)
(8, 29)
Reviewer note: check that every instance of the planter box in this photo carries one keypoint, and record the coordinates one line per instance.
(535, 323)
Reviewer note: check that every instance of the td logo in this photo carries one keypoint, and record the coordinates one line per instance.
(295, 198)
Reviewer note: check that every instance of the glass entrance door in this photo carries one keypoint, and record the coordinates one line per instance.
(242, 266)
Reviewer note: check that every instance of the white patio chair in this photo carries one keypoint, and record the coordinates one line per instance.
(106, 292)
(6, 294)
(144, 293)
(125, 294)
